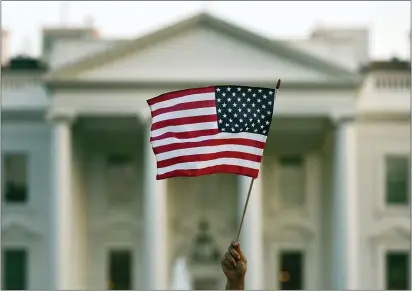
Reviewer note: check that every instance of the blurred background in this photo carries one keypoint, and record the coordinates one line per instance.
(81, 208)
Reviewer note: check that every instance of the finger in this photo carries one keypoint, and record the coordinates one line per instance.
(227, 265)
(230, 259)
(278, 84)
(234, 253)
(236, 246)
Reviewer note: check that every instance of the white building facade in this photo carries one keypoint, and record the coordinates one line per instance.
(81, 208)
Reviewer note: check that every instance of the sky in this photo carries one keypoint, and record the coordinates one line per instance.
(388, 21)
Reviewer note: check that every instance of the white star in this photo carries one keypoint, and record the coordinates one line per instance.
(218, 89)
(270, 102)
(238, 99)
(263, 106)
(244, 104)
(244, 114)
(223, 129)
(254, 114)
(250, 119)
(227, 124)
(262, 126)
(259, 100)
(220, 110)
(240, 109)
(243, 94)
(248, 110)
(264, 96)
(220, 120)
(268, 112)
(236, 125)
(248, 99)
(262, 116)
(228, 88)
(258, 110)
(233, 129)
(218, 99)
(235, 115)
(233, 94)
(253, 125)
(224, 104)
(270, 92)
(223, 94)
(267, 122)
(230, 110)
(229, 99)
(247, 128)
(264, 131)
(255, 130)
(224, 115)
(231, 120)
(258, 121)
(239, 89)
(253, 104)
(254, 95)
(234, 104)
(240, 120)
(249, 90)
(260, 90)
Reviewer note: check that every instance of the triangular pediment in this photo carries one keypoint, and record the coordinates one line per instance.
(202, 49)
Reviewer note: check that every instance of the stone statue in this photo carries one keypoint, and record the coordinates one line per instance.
(204, 248)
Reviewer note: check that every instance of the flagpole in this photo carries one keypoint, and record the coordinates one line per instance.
(250, 190)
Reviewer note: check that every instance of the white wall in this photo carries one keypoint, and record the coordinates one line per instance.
(30, 225)
(379, 227)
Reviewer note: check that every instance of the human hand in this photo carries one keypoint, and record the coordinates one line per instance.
(234, 266)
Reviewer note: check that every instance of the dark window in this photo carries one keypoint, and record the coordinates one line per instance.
(291, 276)
(14, 269)
(120, 270)
(14, 178)
(397, 180)
(397, 271)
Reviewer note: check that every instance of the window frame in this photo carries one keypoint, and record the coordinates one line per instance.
(309, 274)
(28, 266)
(383, 206)
(119, 247)
(27, 156)
(383, 249)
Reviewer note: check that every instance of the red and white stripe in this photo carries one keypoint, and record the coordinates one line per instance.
(186, 140)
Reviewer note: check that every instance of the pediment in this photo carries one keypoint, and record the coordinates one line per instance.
(292, 229)
(393, 230)
(119, 223)
(17, 227)
(202, 49)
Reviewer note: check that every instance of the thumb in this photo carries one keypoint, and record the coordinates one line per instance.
(236, 246)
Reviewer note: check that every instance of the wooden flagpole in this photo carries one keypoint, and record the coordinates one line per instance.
(248, 194)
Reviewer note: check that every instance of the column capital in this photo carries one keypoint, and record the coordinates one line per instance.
(339, 119)
(67, 117)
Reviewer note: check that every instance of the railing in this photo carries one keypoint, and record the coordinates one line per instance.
(393, 83)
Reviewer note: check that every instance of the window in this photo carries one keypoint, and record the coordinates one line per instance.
(292, 181)
(120, 179)
(14, 269)
(14, 178)
(397, 271)
(397, 180)
(291, 275)
(120, 270)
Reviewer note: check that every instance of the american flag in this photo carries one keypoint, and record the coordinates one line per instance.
(218, 129)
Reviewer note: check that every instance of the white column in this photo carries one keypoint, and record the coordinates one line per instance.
(155, 207)
(62, 205)
(251, 237)
(345, 244)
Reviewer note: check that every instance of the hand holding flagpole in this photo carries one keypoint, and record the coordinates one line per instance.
(250, 190)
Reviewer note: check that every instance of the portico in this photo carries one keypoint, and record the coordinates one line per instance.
(105, 188)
